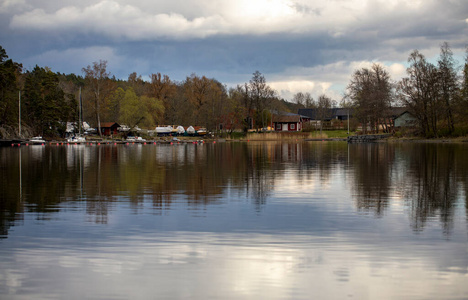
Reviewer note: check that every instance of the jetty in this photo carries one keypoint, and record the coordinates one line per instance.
(368, 138)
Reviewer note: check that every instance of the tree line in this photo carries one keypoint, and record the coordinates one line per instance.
(49, 100)
(436, 95)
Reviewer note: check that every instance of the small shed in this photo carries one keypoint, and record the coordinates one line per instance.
(109, 128)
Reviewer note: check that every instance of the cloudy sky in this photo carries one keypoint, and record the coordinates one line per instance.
(299, 45)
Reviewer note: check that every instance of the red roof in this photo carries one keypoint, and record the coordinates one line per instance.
(109, 124)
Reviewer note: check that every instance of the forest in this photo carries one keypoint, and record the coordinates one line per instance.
(435, 94)
(49, 100)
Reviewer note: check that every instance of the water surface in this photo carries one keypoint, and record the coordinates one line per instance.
(234, 221)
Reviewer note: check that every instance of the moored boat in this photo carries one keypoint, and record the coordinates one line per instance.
(163, 130)
(191, 130)
(76, 139)
(37, 140)
(201, 131)
(180, 130)
(135, 139)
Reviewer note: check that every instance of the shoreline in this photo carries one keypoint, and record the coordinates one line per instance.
(425, 140)
(18, 142)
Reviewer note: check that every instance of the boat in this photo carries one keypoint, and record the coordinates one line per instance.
(190, 130)
(135, 139)
(37, 140)
(201, 131)
(163, 130)
(78, 139)
(123, 128)
(180, 130)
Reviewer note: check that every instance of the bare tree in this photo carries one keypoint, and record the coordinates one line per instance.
(299, 99)
(235, 116)
(97, 77)
(304, 99)
(164, 89)
(419, 92)
(371, 92)
(137, 84)
(196, 90)
(463, 103)
(309, 101)
(324, 105)
(261, 95)
(448, 83)
(206, 96)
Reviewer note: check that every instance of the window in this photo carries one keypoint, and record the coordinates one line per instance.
(278, 126)
(292, 126)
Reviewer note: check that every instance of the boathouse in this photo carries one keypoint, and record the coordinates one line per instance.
(109, 128)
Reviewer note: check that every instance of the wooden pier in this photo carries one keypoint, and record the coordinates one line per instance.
(369, 138)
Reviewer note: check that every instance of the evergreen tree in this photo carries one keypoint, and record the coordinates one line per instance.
(10, 73)
(46, 107)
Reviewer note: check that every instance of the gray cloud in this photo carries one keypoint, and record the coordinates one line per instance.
(296, 44)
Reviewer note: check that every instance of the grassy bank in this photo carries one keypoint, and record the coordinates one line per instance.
(279, 136)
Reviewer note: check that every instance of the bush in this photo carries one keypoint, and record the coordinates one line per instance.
(460, 131)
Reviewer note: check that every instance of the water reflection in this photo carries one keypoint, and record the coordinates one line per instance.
(372, 169)
(428, 179)
(235, 221)
(436, 177)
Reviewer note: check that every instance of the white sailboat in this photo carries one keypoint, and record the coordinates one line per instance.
(37, 140)
(76, 139)
(79, 138)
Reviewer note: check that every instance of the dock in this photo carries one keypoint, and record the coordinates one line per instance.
(369, 138)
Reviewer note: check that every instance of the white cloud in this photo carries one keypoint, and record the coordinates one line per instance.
(145, 21)
(288, 88)
(9, 6)
(397, 71)
(330, 79)
(306, 46)
(131, 22)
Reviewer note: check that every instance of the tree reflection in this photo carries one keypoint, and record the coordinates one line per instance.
(431, 185)
(11, 207)
(372, 165)
(427, 178)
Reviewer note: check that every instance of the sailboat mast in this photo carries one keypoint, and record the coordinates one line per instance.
(19, 114)
(80, 116)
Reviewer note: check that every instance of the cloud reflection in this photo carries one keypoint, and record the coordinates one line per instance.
(248, 266)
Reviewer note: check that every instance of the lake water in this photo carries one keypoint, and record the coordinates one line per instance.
(316, 220)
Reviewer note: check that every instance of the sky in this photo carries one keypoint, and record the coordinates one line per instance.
(298, 45)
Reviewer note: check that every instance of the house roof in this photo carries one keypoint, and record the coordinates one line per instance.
(312, 113)
(398, 111)
(109, 124)
(286, 118)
